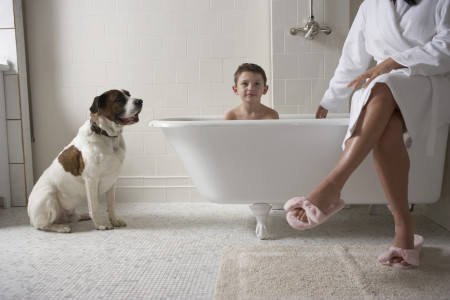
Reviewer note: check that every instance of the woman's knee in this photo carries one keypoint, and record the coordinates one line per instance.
(381, 92)
(392, 136)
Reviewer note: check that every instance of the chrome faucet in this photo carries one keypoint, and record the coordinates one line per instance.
(311, 28)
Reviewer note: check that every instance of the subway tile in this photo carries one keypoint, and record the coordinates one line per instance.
(230, 66)
(210, 70)
(155, 182)
(84, 52)
(128, 50)
(178, 194)
(336, 12)
(96, 75)
(296, 43)
(178, 182)
(176, 96)
(134, 142)
(210, 22)
(310, 65)
(118, 73)
(150, 6)
(129, 181)
(151, 48)
(223, 46)
(222, 4)
(152, 95)
(141, 73)
(230, 23)
(284, 13)
(285, 66)
(68, 29)
(223, 95)
(139, 165)
(93, 27)
(130, 195)
(164, 72)
(78, 8)
(174, 47)
(106, 51)
(73, 75)
(197, 4)
(278, 39)
(104, 7)
(186, 22)
(298, 92)
(187, 71)
(318, 88)
(246, 45)
(12, 96)
(331, 61)
(155, 195)
(170, 166)
(116, 27)
(127, 7)
(212, 111)
(174, 5)
(279, 92)
(199, 95)
(154, 143)
(15, 151)
(199, 46)
(162, 23)
(139, 25)
(256, 19)
(251, 4)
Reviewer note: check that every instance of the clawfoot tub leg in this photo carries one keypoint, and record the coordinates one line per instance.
(261, 211)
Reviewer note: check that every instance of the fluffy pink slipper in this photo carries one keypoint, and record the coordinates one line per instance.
(411, 256)
(315, 216)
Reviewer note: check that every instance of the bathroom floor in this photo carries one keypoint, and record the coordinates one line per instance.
(167, 251)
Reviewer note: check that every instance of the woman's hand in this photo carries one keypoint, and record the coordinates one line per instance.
(385, 67)
(321, 112)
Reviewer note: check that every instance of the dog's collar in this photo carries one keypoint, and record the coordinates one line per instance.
(98, 130)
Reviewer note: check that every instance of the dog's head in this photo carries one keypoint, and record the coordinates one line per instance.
(116, 106)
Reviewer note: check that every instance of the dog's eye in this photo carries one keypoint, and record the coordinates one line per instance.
(118, 99)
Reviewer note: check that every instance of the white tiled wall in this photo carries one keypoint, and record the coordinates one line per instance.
(179, 56)
(303, 68)
(15, 83)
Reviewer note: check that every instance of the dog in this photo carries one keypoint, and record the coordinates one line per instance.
(87, 168)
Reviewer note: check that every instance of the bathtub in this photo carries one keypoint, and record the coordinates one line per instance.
(266, 162)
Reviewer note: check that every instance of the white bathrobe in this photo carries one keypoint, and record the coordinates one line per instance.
(417, 37)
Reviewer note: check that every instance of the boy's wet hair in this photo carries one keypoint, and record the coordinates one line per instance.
(247, 67)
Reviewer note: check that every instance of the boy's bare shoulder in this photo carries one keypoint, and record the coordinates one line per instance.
(271, 113)
(230, 115)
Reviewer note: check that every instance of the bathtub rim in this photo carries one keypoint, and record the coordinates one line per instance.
(218, 121)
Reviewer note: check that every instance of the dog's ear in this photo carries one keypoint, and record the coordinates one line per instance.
(99, 102)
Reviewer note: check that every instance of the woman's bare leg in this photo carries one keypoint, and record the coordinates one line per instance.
(392, 163)
(370, 126)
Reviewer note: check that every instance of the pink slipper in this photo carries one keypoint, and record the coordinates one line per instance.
(411, 256)
(314, 215)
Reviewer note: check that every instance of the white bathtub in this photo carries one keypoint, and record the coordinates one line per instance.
(267, 162)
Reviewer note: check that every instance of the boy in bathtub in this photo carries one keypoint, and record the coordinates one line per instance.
(250, 84)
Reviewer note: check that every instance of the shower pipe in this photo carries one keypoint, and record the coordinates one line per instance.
(311, 28)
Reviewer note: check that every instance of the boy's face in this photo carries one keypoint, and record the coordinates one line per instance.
(250, 87)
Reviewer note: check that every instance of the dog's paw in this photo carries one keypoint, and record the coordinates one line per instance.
(64, 229)
(118, 223)
(104, 226)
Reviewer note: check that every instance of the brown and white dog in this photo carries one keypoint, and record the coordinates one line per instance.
(87, 168)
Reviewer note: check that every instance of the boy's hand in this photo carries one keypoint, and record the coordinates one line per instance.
(321, 112)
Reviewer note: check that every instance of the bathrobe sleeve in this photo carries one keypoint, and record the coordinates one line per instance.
(353, 62)
(434, 57)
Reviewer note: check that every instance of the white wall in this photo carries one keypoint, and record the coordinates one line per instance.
(303, 68)
(12, 48)
(179, 56)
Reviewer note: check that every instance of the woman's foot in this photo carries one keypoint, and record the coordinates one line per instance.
(322, 197)
(404, 238)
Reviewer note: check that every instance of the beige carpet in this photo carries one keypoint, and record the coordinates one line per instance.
(329, 272)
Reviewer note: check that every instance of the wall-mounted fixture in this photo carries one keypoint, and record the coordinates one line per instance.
(311, 28)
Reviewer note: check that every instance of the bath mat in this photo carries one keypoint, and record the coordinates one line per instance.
(329, 272)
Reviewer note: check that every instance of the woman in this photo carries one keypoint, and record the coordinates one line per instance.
(406, 96)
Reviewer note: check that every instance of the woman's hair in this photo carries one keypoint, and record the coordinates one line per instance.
(411, 2)
(246, 67)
